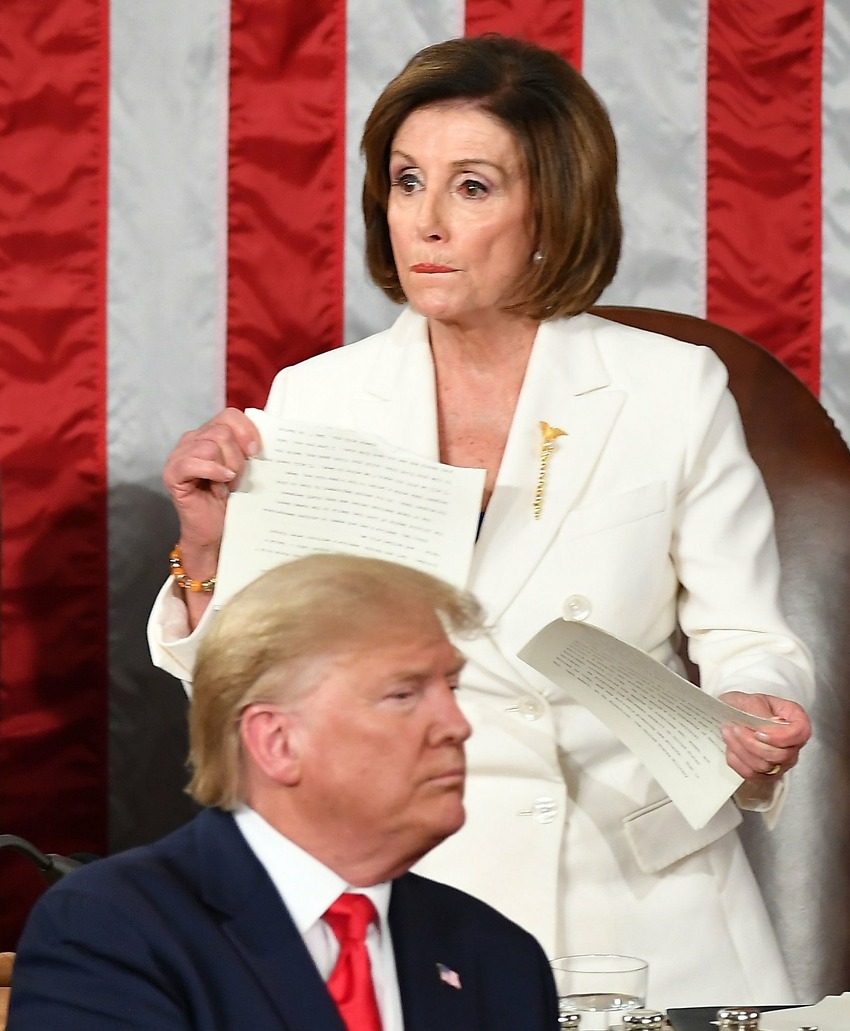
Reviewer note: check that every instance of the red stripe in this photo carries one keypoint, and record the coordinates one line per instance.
(286, 188)
(764, 175)
(53, 78)
(557, 26)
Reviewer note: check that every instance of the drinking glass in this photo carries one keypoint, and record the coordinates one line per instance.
(601, 987)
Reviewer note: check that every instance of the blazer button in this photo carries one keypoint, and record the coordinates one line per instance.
(527, 708)
(577, 607)
(543, 809)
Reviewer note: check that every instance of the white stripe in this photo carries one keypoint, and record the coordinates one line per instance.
(378, 49)
(647, 62)
(167, 247)
(835, 345)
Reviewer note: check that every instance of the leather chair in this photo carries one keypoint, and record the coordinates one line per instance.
(803, 866)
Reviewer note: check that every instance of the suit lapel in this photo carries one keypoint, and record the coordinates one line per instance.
(234, 883)
(564, 386)
(428, 1000)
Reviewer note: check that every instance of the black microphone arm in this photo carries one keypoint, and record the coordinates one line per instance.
(52, 867)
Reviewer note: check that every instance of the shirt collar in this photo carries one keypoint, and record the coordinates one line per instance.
(306, 885)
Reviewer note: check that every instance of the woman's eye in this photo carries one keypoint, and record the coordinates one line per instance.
(473, 188)
(407, 182)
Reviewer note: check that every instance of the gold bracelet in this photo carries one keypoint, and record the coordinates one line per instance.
(182, 579)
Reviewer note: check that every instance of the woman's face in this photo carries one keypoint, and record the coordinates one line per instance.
(459, 212)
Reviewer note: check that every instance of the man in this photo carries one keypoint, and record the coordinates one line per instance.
(326, 742)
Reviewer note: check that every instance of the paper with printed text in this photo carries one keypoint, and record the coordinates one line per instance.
(670, 724)
(321, 489)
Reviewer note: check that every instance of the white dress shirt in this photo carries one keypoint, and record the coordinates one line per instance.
(307, 887)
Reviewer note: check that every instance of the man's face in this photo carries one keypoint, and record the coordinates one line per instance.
(380, 744)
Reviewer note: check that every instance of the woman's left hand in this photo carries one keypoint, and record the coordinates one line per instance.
(766, 752)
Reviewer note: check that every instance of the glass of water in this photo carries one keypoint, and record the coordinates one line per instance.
(600, 987)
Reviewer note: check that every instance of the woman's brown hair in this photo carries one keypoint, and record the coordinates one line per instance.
(565, 136)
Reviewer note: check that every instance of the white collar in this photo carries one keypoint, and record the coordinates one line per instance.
(306, 885)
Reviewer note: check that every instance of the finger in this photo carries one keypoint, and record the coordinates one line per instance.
(743, 769)
(787, 735)
(749, 768)
(210, 453)
(230, 433)
(790, 723)
(240, 428)
(754, 704)
(749, 757)
(782, 765)
(749, 742)
(184, 475)
(215, 442)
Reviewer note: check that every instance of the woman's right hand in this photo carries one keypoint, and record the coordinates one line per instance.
(199, 474)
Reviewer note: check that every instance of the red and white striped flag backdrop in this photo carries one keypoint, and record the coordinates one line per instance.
(179, 190)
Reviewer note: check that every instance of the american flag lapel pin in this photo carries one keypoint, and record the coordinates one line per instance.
(448, 976)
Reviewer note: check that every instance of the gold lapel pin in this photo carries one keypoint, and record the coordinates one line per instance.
(547, 445)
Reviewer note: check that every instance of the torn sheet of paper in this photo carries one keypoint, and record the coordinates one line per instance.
(320, 489)
(669, 724)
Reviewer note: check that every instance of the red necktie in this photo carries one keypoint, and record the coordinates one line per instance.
(350, 983)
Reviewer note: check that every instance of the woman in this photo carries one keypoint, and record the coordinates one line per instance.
(490, 207)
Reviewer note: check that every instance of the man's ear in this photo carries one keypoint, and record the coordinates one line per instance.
(270, 741)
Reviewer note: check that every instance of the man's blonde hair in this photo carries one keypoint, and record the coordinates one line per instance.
(272, 639)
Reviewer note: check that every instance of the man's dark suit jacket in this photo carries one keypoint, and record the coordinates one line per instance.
(191, 933)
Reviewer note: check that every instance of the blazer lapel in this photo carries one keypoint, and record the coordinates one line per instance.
(398, 398)
(234, 883)
(565, 387)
